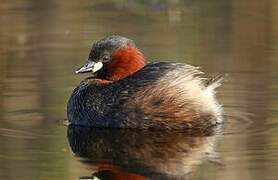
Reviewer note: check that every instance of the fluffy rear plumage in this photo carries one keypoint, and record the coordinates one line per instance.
(171, 96)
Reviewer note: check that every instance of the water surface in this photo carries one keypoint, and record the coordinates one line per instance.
(43, 42)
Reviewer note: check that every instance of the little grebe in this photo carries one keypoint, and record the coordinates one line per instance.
(124, 92)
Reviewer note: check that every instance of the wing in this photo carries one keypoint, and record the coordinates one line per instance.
(165, 95)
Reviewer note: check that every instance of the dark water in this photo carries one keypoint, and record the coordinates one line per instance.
(43, 42)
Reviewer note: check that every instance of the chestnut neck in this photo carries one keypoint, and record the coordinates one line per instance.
(125, 62)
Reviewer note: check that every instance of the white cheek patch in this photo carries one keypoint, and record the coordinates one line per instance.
(97, 66)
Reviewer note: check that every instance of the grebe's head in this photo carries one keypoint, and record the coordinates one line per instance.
(113, 58)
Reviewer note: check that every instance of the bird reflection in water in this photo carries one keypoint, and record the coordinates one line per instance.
(141, 154)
